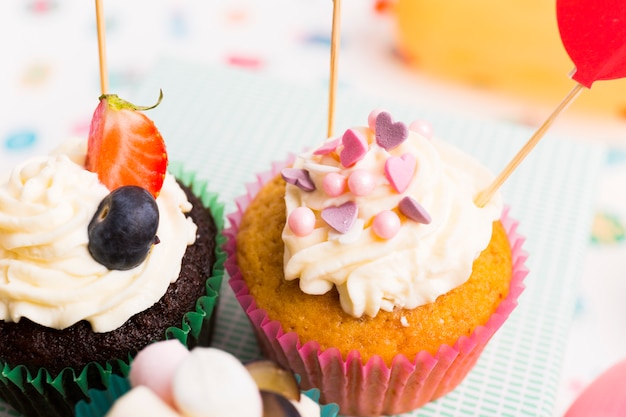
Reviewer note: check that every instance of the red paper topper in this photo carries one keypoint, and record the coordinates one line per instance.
(594, 35)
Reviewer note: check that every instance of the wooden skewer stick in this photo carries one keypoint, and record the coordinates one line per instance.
(486, 194)
(334, 47)
(104, 82)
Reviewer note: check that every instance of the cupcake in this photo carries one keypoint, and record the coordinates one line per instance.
(365, 267)
(103, 251)
(167, 380)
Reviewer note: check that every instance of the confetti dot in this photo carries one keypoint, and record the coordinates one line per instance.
(179, 26)
(242, 61)
(317, 39)
(20, 140)
(36, 74)
(41, 6)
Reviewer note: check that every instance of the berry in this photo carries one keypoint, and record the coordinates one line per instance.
(125, 147)
(124, 227)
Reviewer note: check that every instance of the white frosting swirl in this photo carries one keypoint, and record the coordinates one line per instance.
(46, 271)
(418, 264)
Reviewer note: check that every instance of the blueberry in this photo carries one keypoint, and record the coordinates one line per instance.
(124, 227)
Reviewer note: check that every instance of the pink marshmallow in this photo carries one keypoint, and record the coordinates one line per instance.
(154, 367)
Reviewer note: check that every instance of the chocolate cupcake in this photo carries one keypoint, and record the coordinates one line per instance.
(69, 317)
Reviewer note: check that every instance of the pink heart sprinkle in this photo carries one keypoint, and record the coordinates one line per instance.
(341, 218)
(354, 148)
(399, 171)
(327, 147)
(390, 135)
(298, 177)
(414, 210)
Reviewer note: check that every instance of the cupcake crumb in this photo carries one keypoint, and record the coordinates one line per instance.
(404, 321)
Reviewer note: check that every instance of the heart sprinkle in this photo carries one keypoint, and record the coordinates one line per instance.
(298, 177)
(414, 210)
(399, 171)
(327, 147)
(390, 135)
(354, 148)
(341, 218)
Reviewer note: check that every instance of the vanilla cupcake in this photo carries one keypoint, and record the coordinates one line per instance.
(365, 266)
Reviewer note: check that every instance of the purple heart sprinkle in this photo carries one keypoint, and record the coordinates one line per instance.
(341, 218)
(298, 177)
(390, 135)
(414, 210)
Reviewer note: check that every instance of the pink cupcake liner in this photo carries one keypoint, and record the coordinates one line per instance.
(371, 388)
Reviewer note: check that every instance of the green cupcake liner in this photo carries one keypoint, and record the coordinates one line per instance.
(101, 401)
(42, 395)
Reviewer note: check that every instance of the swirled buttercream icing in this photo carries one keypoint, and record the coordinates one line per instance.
(386, 215)
(46, 272)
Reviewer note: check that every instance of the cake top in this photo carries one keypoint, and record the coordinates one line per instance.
(80, 226)
(169, 381)
(386, 214)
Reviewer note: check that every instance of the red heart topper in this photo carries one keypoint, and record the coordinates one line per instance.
(594, 35)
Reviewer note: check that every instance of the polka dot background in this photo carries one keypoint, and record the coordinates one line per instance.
(49, 86)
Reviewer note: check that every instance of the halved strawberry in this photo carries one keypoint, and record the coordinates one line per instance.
(125, 147)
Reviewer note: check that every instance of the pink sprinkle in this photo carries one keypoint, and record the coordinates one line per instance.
(301, 221)
(361, 182)
(371, 119)
(334, 184)
(422, 127)
(327, 147)
(399, 171)
(354, 148)
(386, 224)
(298, 177)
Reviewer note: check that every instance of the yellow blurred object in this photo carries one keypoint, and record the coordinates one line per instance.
(511, 47)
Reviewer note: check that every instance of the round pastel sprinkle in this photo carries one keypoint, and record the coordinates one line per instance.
(390, 134)
(371, 118)
(386, 224)
(414, 210)
(422, 127)
(301, 221)
(361, 182)
(298, 177)
(354, 148)
(341, 218)
(328, 147)
(334, 184)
